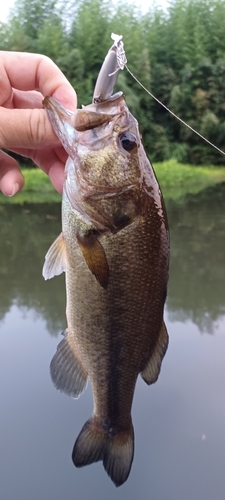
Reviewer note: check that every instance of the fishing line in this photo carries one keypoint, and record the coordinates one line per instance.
(173, 114)
(122, 63)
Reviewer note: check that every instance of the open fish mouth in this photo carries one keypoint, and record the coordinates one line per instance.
(98, 113)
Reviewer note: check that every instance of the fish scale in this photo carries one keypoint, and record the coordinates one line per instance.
(114, 249)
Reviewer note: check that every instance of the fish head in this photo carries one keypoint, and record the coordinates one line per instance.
(107, 145)
(106, 157)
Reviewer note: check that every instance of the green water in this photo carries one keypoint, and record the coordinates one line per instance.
(179, 422)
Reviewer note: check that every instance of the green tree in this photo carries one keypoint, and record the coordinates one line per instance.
(178, 54)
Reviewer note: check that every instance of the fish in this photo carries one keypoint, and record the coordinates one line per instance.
(114, 250)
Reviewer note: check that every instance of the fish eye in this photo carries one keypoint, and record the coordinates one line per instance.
(128, 141)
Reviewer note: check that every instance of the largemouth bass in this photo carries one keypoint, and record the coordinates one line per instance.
(114, 249)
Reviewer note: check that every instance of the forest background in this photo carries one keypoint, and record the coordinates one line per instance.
(178, 53)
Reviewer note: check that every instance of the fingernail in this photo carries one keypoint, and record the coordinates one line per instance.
(15, 189)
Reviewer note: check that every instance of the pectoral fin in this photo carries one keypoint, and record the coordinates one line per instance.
(95, 257)
(152, 369)
(55, 259)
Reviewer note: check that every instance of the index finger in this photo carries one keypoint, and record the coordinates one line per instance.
(25, 71)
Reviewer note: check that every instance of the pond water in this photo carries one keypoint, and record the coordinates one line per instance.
(179, 422)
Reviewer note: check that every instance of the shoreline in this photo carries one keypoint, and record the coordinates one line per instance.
(176, 181)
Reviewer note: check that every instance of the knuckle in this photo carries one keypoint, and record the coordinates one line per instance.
(37, 127)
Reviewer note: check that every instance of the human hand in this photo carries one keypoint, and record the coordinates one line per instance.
(24, 125)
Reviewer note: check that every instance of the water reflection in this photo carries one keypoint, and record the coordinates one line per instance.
(179, 422)
(197, 270)
(26, 234)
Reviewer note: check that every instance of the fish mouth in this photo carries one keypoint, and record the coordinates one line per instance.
(100, 113)
(51, 104)
(89, 117)
(57, 113)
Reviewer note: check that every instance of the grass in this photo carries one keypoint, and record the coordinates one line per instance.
(37, 189)
(176, 180)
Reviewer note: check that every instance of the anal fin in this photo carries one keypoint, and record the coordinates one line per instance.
(152, 369)
(67, 372)
(95, 257)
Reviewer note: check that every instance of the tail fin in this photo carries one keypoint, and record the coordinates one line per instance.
(115, 449)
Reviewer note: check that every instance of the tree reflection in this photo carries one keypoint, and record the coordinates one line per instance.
(197, 267)
(26, 234)
(197, 270)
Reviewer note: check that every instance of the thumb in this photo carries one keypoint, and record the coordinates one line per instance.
(26, 128)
